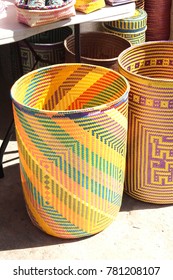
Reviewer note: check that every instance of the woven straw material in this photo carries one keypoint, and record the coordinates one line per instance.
(89, 6)
(158, 19)
(98, 48)
(149, 171)
(40, 17)
(71, 127)
(133, 37)
(171, 23)
(48, 45)
(136, 23)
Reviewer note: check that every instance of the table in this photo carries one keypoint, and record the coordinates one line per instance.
(12, 31)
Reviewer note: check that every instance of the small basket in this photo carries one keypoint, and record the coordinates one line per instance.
(134, 37)
(36, 17)
(71, 127)
(98, 48)
(133, 28)
(88, 6)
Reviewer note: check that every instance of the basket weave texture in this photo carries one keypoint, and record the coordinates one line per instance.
(149, 170)
(132, 29)
(71, 126)
(37, 17)
(48, 46)
(98, 48)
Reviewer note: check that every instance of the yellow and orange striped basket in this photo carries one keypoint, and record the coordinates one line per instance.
(71, 127)
(149, 169)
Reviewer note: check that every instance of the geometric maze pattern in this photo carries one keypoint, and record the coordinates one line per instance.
(149, 164)
(72, 161)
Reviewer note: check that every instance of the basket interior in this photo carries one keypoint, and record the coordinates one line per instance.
(98, 45)
(69, 87)
(153, 60)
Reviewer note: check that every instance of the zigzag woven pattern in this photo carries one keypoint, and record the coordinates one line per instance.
(71, 126)
(149, 69)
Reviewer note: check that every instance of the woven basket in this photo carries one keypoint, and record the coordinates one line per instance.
(158, 19)
(36, 17)
(132, 29)
(136, 23)
(97, 48)
(134, 38)
(149, 69)
(71, 127)
(49, 46)
(88, 6)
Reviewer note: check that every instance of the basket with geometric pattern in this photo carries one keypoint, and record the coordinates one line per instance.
(132, 28)
(71, 128)
(149, 169)
(44, 49)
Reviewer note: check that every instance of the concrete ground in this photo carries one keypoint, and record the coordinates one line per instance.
(140, 231)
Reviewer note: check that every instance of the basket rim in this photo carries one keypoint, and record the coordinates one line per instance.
(133, 47)
(101, 107)
(97, 59)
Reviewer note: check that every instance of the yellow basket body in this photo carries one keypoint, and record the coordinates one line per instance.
(149, 69)
(71, 127)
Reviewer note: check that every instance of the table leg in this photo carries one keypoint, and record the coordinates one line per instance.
(77, 43)
(4, 146)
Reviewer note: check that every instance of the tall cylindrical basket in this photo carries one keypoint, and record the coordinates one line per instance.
(149, 170)
(71, 127)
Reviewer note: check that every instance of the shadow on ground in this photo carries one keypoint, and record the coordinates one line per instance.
(16, 228)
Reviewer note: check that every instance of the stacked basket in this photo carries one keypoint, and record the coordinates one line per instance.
(158, 19)
(133, 28)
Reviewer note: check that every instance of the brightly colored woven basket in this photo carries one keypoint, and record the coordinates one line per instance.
(98, 48)
(149, 171)
(71, 127)
(34, 16)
